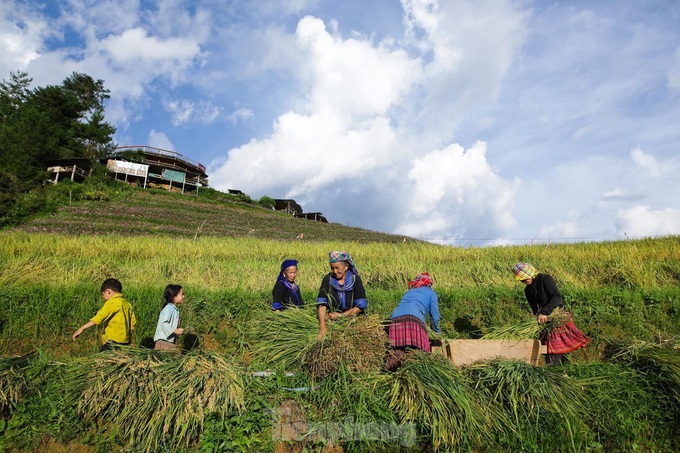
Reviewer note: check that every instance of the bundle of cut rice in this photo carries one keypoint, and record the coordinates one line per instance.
(13, 382)
(289, 340)
(528, 328)
(662, 362)
(360, 343)
(154, 400)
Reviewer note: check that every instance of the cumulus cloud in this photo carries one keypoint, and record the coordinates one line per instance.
(641, 221)
(454, 193)
(130, 45)
(160, 140)
(22, 33)
(352, 138)
(645, 161)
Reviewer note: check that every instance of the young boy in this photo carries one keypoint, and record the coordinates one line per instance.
(116, 316)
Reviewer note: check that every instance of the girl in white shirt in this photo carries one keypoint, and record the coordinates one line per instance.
(168, 328)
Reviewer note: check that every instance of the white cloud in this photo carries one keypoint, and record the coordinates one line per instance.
(354, 138)
(185, 111)
(181, 110)
(455, 190)
(22, 33)
(645, 161)
(641, 221)
(241, 114)
(352, 76)
(160, 140)
(561, 230)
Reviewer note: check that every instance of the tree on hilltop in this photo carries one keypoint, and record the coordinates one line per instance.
(45, 123)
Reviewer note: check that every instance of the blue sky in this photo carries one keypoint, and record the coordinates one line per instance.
(460, 122)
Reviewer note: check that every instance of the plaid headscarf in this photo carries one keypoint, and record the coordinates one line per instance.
(524, 271)
(342, 256)
(421, 280)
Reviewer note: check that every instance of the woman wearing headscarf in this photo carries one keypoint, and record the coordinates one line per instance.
(286, 292)
(544, 297)
(407, 328)
(342, 292)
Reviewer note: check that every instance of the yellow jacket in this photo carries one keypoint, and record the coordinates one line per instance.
(118, 320)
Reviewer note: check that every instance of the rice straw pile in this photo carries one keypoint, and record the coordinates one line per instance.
(358, 342)
(528, 328)
(662, 362)
(280, 339)
(13, 382)
(154, 400)
(430, 391)
(537, 400)
(288, 340)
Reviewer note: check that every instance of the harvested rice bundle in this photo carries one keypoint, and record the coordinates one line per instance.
(288, 340)
(359, 342)
(154, 400)
(528, 328)
(662, 362)
(431, 392)
(622, 405)
(13, 382)
(539, 401)
(280, 339)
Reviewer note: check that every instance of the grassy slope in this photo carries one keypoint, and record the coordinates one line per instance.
(227, 255)
(159, 213)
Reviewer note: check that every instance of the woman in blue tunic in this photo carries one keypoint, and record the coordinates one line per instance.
(342, 292)
(286, 292)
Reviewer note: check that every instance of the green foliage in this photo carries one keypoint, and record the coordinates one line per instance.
(43, 124)
(620, 398)
(266, 202)
(248, 431)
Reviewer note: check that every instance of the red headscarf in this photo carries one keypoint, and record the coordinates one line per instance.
(421, 280)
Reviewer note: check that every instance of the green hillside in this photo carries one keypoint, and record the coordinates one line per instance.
(620, 394)
(139, 212)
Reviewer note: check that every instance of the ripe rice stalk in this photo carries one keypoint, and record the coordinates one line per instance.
(527, 328)
(288, 340)
(533, 397)
(431, 392)
(13, 381)
(623, 404)
(360, 343)
(659, 361)
(154, 400)
(279, 339)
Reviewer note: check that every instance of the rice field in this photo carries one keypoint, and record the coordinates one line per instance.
(619, 394)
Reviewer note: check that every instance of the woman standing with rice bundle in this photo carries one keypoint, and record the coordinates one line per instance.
(544, 298)
(407, 328)
(342, 292)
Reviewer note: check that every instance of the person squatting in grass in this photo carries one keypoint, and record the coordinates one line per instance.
(407, 328)
(168, 327)
(116, 317)
(286, 292)
(341, 293)
(544, 297)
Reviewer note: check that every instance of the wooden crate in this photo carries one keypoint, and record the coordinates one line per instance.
(467, 352)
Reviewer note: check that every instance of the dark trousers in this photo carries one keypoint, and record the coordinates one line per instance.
(556, 359)
(111, 346)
